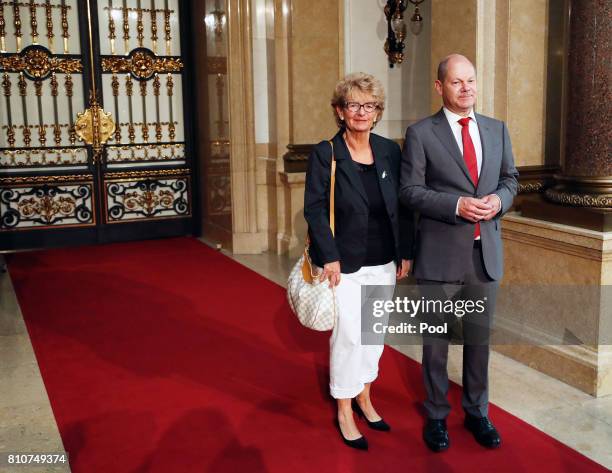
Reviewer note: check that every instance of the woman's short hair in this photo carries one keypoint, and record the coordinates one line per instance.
(358, 82)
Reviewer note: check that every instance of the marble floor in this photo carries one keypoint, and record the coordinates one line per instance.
(26, 419)
(27, 423)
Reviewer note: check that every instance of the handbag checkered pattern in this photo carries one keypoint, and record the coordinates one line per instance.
(313, 301)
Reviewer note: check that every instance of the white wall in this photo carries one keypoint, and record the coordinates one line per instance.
(407, 86)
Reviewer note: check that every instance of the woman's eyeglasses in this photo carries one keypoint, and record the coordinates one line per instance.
(355, 107)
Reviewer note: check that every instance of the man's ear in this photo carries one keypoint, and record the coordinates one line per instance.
(438, 87)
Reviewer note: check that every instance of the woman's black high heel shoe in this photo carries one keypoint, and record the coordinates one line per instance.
(376, 425)
(360, 444)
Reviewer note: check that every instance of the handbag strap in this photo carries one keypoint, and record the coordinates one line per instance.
(332, 218)
(332, 185)
(307, 272)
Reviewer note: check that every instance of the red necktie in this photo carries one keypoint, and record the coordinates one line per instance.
(469, 156)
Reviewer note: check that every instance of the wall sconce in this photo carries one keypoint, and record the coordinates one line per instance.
(396, 28)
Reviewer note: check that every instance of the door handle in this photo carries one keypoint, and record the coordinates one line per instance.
(94, 126)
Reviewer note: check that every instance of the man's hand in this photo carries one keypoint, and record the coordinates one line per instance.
(403, 269)
(331, 271)
(495, 202)
(475, 210)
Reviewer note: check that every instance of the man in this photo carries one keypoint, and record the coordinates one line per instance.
(458, 173)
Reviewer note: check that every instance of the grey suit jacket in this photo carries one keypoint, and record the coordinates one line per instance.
(434, 176)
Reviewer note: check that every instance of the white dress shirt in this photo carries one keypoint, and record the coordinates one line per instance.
(453, 121)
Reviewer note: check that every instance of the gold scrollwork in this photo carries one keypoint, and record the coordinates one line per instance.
(579, 200)
(144, 174)
(148, 201)
(37, 63)
(47, 207)
(16, 158)
(46, 179)
(531, 187)
(141, 64)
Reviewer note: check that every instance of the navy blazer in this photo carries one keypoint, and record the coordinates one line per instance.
(351, 204)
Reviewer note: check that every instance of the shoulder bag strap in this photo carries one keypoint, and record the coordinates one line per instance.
(307, 272)
(332, 185)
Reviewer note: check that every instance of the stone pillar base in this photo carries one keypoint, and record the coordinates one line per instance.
(292, 235)
(249, 243)
(586, 192)
(546, 255)
(580, 367)
(534, 206)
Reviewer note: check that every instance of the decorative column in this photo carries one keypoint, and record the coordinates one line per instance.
(247, 238)
(303, 113)
(565, 241)
(586, 178)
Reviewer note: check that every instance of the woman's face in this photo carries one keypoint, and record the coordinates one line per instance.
(355, 115)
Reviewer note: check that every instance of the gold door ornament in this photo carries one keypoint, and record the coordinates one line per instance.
(37, 62)
(142, 64)
(94, 126)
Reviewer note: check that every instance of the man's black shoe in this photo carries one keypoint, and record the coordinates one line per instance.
(435, 435)
(483, 430)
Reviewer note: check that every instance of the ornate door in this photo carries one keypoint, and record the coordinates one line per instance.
(94, 142)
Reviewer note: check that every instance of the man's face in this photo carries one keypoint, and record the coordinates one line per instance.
(458, 90)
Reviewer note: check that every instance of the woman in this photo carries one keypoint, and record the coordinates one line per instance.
(372, 242)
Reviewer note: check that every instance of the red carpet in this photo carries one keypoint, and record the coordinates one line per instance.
(166, 356)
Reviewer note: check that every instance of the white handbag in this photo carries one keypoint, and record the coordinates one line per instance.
(313, 301)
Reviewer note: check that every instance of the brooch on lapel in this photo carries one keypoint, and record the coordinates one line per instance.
(384, 174)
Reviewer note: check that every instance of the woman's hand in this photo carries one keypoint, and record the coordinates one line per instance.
(331, 271)
(404, 269)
